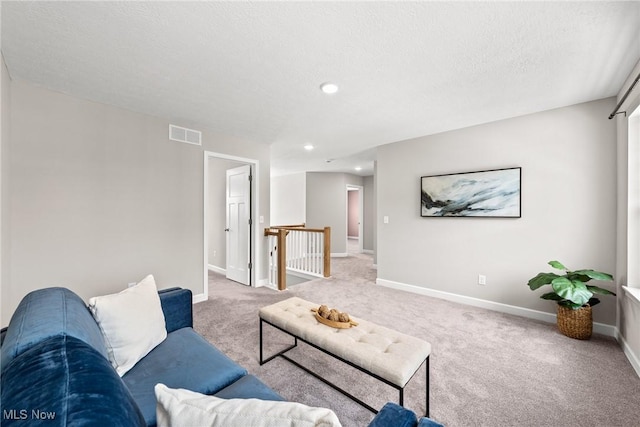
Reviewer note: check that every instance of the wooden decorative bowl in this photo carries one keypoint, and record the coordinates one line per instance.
(333, 323)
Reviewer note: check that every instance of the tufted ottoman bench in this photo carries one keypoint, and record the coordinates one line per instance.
(387, 355)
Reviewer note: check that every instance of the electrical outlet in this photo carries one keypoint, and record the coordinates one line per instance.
(482, 279)
(215, 253)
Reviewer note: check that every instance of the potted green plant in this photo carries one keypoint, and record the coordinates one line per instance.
(573, 296)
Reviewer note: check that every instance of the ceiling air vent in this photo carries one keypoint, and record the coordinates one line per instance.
(180, 134)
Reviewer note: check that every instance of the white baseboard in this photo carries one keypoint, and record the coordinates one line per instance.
(216, 269)
(367, 251)
(633, 358)
(353, 237)
(339, 255)
(262, 282)
(199, 298)
(599, 328)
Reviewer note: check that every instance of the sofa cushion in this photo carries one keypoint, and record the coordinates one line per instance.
(46, 313)
(183, 360)
(64, 381)
(185, 407)
(248, 387)
(132, 323)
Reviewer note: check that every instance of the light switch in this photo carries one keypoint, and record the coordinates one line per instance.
(385, 219)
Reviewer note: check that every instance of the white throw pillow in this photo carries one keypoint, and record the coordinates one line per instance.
(179, 407)
(132, 323)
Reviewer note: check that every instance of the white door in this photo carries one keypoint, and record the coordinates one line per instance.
(238, 229)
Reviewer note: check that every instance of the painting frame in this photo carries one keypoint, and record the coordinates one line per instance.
(491, 193)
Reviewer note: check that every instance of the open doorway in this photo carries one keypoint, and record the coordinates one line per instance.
(230, 191)
(355, 211)
(238, 224)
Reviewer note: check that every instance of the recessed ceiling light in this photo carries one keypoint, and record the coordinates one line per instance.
(308, 147)
(358, 168)
(329, 87)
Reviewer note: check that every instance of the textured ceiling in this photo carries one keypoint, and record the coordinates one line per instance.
(253, 70)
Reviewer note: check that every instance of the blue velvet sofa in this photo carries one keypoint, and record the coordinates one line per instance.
(55, 369)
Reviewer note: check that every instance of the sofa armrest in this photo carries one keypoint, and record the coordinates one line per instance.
(428, 422)
(177, 308)
(394, 415)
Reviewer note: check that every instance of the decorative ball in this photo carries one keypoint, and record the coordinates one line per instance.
(344, 317)
(322, 310)
(334, 315)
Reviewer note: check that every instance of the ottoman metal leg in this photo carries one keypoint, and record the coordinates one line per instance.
(281, 353)
(426, 366)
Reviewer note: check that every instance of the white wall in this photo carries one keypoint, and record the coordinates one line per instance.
(99, 197)
(288, 199)
(628, 231)
(369, 216)
(568, 207)
(5, 223)
(327, 205)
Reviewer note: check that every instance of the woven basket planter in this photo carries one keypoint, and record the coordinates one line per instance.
(576, 324)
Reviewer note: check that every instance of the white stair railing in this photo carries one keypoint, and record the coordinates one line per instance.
(299, 250)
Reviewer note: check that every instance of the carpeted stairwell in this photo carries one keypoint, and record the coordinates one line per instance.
(487, 368)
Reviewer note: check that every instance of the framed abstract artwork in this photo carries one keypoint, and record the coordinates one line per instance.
(491, 193)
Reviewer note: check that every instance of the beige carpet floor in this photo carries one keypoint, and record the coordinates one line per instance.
(487, 368)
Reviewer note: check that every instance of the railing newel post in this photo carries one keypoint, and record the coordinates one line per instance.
(327, 252)
(282, 259)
